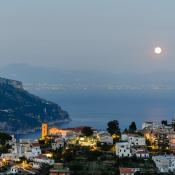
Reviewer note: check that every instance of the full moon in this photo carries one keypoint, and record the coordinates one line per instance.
(157, 50)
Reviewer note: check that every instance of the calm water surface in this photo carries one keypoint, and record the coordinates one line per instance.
(97, 107)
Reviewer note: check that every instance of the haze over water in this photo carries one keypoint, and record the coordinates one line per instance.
(97, 107)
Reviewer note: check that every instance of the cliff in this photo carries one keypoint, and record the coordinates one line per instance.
(21, 111)
(14, 83)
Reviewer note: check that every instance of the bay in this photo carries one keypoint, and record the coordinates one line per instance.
(97, 107)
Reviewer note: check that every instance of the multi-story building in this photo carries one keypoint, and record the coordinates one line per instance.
(134, 139)
(26, 149)
(164, 163)
(123, 149)
(105, 137)
(58, 169)
(42, 158)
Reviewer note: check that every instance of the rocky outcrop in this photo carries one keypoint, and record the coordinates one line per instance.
(14, 83)
(22, 111)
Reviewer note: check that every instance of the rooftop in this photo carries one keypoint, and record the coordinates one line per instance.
(126, 170)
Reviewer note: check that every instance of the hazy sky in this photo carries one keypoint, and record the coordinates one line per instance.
(104, 35)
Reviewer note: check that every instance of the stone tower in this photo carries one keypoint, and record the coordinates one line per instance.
(44, 130)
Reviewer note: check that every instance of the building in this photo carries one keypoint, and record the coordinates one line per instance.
(165, 163)
(57, 132)
(146, 124)
(105, 137)
(128, 171)
(134, 139)
(42, 158)
(26, 148)
(58, 143)
(140, 151)
(58, 169)
(14, 170)
(123, 149)
(44, 130)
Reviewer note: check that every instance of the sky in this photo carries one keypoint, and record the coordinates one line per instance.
(109, 36)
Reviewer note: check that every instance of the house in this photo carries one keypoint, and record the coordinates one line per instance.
(164, 163)
(146, 124)
(42, 158)
(137, 140)
(14, 170)
(28, 149)
(105, 137)
(7, 156)
(58, 169)
(128, 171)
(134, 139)
(140, 151)
(152, 125)
(58, 143)
(123, 149)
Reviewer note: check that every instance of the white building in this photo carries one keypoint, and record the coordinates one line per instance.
(105, 137)
(165, 163)
(134, 139)
(124, 137)
(41, 159)
(7, 156)
(152, 125)
(26, 149)
(137, 140)
(123, 149)
(140, 152)
(14, 170)
(59, 143)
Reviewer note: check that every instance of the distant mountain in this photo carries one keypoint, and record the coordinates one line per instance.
(36, 75)
(21, 111)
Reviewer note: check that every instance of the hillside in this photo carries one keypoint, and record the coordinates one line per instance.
(21, 111)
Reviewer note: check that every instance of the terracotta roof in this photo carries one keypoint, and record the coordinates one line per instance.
(24, 143)
(46, 151)
(35, 144)
(41, 156)
(141, 152)
(126, 170)
(149, 122)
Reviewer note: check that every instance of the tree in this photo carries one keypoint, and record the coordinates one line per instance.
(125, 131)
(133, 126)
(45, 168)
(113, 127)
(87, 131)
(164, 122)
(4, 137)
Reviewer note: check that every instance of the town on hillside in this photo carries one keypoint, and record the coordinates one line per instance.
(84, 150)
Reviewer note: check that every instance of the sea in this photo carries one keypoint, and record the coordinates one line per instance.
(96, 108)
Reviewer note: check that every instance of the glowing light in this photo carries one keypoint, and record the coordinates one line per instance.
(158, 50)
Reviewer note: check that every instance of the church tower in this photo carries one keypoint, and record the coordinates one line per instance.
(44, 130)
